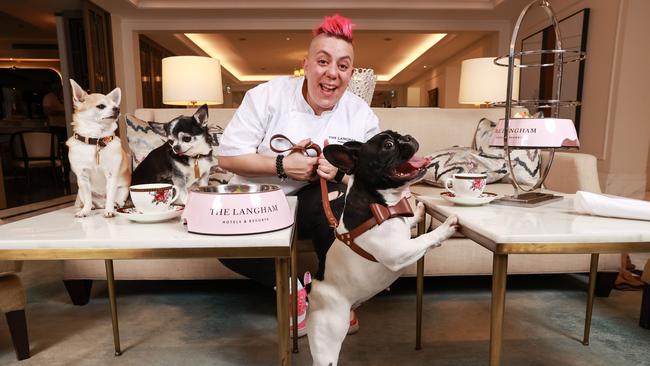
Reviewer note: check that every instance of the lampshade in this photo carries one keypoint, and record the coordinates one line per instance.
(481, 81)
(191, 80)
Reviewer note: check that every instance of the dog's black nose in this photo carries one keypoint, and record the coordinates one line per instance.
(176, 148)
(116, 110)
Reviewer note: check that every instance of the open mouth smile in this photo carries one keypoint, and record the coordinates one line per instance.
(410, 169)
(327, 89)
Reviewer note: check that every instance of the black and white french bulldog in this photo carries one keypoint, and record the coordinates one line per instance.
(186, 157)
(381, 171)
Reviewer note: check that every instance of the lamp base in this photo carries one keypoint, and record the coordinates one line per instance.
(530, 199)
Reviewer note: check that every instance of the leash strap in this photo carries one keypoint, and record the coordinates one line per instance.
(279, 138)
(380, 213)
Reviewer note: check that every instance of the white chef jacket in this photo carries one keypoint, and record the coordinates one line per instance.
(278, 107)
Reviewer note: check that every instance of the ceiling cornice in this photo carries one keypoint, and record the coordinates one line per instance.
(332, 4)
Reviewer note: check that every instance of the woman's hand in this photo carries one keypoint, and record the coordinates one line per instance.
(326, 169)
(298, 166)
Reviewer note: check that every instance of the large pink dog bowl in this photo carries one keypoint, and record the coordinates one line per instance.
(537, 133)
(235, 209)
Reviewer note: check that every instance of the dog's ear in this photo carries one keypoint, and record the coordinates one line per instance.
(159, 128)
(78, 94)
(115, 96)
(343, 156)
(201, 116)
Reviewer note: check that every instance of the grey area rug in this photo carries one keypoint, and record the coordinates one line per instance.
(233, 323)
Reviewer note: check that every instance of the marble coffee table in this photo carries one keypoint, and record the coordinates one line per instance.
(59, 235)
(551, 228)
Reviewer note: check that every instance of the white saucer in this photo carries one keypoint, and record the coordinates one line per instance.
(134, 215)
(484, 198)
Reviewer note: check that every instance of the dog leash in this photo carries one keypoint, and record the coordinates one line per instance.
(99, 143)
(379, 212)
(282, 139)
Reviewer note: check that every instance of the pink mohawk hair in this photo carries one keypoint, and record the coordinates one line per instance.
(336, 26)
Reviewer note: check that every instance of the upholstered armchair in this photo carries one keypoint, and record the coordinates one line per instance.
(12, 304)
(363, 84)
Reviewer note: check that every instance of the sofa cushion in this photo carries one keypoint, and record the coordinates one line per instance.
(445, 163)
(526, 162)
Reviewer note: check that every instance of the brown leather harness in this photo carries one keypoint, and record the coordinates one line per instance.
(380, 213)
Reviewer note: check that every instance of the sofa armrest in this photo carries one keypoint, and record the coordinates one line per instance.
(572, 172)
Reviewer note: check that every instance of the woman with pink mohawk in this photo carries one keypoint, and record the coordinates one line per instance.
(316, 107)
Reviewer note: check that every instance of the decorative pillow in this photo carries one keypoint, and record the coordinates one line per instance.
(142, 140)
(363, 83)
(447, 162)
(526, 162)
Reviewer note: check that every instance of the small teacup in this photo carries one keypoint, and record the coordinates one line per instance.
(467, 184)
(153, 197)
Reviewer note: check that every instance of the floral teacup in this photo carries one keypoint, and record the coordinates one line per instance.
(154, 197)
(467, 184)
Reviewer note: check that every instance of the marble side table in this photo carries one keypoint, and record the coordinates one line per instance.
(551, 228)
(58, 235)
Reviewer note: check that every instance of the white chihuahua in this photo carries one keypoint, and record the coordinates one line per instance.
(95, 153)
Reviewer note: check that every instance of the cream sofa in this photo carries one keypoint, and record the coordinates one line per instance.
(435, 129)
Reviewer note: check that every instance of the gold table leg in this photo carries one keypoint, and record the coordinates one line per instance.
(499, 274)
(294, 289)
(282, 300)
(113, 303)
(593, 269)
(419, 291)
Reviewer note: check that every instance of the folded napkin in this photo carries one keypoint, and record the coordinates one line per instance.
(611, 206)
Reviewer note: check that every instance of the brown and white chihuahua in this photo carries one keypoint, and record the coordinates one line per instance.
(95, 153)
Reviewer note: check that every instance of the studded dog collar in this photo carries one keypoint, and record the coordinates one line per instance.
(99, 143)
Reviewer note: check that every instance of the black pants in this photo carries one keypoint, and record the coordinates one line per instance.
(311, 224)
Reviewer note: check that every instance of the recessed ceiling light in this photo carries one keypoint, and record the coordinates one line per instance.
(287, 39)
(425, 66)
(388, 39)
(242, 39)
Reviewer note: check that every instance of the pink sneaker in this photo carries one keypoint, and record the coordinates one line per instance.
(354, 323)
(302, 312)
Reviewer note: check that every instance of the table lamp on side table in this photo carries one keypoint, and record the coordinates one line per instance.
(191, 81)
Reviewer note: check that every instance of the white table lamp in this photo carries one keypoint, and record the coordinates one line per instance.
(191, 81)
(483, 82)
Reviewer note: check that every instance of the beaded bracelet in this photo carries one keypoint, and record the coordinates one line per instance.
(279, 167)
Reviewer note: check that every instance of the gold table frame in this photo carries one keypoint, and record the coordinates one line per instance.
(283, 255)
(500, 252)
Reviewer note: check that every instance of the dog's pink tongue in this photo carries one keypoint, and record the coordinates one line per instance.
(417, 162)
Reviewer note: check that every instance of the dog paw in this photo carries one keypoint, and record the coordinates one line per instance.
(419, 211)
(82, 213)
(109, 214)
(450, 225)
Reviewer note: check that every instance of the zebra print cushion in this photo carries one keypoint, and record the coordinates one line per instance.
(482, 158)
(526, 162)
